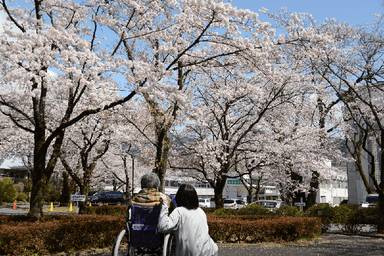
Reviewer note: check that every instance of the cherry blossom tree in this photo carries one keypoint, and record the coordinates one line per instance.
(291, 52)
(309, 42)
(199, 32)
(148, 41)
(125, 165)
(83, 150)
(349, 62)
(51, 37)
(357, 78)
(241, 108)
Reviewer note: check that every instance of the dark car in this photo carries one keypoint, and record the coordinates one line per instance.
(91, 193)
(108, 197)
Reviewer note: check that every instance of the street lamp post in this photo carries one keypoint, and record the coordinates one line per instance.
(132, 152)
(133, 172)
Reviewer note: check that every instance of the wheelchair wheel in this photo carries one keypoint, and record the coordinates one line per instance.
(171, 246)
(117, 249)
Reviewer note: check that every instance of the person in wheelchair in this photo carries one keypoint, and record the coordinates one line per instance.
(189, 224)
(149, 194)
(142, 231)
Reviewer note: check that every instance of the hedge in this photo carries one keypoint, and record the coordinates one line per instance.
(252, 224)
(258, 228)
(58, 233)
(69, 233)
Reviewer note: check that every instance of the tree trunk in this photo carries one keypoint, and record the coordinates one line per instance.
(380, 228)
(362, 174)
(35, 203)
(128, 194)
(250, 192)
(83, 205)
(218, 189)
(39, 180)
(356, 154)
(249, 197)
(65, 193)
(314, 184)
(258, 187)
(162, 154)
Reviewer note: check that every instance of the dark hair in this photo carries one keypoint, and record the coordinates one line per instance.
(150, 180)
(186, 196)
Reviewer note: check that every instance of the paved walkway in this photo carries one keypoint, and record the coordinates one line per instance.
(21, 209)
(327, 244)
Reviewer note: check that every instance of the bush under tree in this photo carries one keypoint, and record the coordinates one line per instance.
(8, 192)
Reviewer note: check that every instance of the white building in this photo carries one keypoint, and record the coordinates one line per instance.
(235, 189)
(203, 189)
(333, 192)
(356, 188)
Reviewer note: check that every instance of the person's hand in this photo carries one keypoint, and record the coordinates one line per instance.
(163, 198)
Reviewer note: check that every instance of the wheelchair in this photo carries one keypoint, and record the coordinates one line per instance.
(141, 233)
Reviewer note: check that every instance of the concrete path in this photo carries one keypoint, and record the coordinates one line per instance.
(22, 209)
(328, 244)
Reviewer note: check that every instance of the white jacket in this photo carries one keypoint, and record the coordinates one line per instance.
(191, 231)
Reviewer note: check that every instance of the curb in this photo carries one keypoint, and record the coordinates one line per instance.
(83, 253)
(371, 235)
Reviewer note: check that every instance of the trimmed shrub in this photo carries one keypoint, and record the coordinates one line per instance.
(256, 229)
(8, 192)
(51, 194)
(255, 209)
(107, 210)
(58, 233)
(22, 197)
(208, 210)
(370, 215)
(224, 211)
(19, 187)
(350, 217)
(70, 233)
(325, 212)
(290, 211)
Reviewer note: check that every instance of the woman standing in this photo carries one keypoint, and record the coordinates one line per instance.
(189, 224)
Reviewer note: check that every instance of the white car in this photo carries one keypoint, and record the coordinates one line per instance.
(204, 202)
(241, 203)
(231, 203)
(272, 205)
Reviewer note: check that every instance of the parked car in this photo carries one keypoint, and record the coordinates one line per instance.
(212, 203)
(91, 193)
(108, 197)
(272, 204)
(230, 204)
(204, 202)
(241, 203)
(370, 200)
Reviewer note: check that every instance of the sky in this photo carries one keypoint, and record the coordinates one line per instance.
(351, 11)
